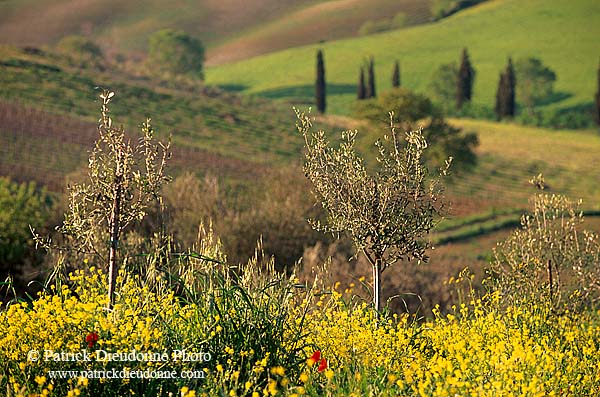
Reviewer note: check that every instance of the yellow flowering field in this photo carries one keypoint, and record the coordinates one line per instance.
(169, 323)
(331, 346)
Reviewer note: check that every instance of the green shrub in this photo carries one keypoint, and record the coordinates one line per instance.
(443, 8)
(559, 118)
(414, 110)
(472, 110)
(174, 52)
(81, 51)
(400, 20)
(406, 105)
(443, 85)
(535, 82)
(21, 205)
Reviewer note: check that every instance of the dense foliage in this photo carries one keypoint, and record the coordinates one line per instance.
(443, 84)
(175, 53)
(371, 91)
(445, 8)
(361, 90)
(464, 80)
(22, 205)
(412, 110)
(81, 51)
(505, 95)
(396, 75)
(320, 86)
(535, 82)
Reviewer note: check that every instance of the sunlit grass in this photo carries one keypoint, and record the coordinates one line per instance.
(562, 34)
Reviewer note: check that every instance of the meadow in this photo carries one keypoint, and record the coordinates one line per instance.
(223, 289)
(196, 117)
(563, 35)
(249, 330)
(271, 335)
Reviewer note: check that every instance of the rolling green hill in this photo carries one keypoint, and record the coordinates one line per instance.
(241, 128)
(239, 134)
(563, 34)
(232, 30)
(509, 155)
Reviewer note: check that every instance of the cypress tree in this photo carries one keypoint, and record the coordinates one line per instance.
(505, 96)
(371, 81)
(362, 90)
(396, 75)
(511, 83)
(597, 101)
(500, 97)
(320, 83)
(464, 81)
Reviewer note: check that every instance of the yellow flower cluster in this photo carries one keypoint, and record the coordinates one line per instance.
(61, 322)
(476, 351)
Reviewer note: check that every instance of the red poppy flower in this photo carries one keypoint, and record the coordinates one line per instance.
(316, 356)
(322, 365)
(91, 338)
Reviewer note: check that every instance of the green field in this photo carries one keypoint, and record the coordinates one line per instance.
(509, 155)
(242, 129)
(563, 34)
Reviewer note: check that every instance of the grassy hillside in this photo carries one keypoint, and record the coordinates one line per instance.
(563, 34)
(509, 155)
(202, 118)
(231, 29)
(48, 114)
(253, 131)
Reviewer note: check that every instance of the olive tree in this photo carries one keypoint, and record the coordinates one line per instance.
(386, 213)
(124, 181)
(550, 260)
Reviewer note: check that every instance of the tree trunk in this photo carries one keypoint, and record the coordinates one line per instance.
(550, 282)
(377, 284)
(115, 232)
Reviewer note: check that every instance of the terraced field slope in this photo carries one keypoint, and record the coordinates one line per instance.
(48, 115)
(231, 29)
